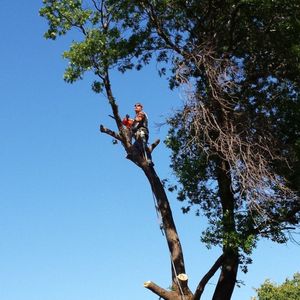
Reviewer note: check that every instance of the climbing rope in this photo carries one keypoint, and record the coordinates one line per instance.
(147, 158)
(158, 214)
(176, 276)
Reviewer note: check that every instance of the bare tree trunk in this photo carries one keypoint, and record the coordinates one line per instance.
(169, 228)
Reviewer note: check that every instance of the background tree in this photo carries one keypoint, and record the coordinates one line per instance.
(235, 142)
(289, 290)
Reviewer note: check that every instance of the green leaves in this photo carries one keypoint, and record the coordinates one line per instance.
(90, 54)
(289, 290)
(63, 15)
(102, 40)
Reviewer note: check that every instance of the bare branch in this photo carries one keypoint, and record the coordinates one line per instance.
(96, 6)
(207, 277)
(112, 101)
(111, 133)
(149, 8)
(158, 290)
(153, 145)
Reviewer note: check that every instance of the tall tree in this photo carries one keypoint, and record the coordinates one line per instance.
(235, 142)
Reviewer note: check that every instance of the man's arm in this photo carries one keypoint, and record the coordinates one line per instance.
(140, 116)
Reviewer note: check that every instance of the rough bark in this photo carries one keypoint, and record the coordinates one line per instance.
(227, 278)
(228, 275)
(169, 228)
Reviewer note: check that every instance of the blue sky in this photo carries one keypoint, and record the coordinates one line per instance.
(77, 219)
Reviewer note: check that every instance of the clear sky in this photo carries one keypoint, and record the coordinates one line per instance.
(77, 219)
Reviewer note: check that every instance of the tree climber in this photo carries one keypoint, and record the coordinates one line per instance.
(139, 129)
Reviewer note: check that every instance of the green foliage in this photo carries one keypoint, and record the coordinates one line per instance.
(289, 290)
(63, 15)
(103, 41)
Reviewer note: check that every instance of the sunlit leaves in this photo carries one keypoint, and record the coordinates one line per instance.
(289, 290)
(63, 15)
(103, 39)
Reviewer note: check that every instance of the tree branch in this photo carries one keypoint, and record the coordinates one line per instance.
(111, 133)
(124, 137)
(158, 290)
(159, 27)
(96, 6)
(173, 241)
(153, 145)
(207, 277)
(111, 100)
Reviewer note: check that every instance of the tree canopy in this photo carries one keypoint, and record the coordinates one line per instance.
(236, 140)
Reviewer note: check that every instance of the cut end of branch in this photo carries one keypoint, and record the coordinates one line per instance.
(147, 284)
(162, 293)
(182, 277)
(111, 133)
(153, 145)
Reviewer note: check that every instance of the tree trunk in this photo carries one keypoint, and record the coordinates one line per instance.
(227, 279)
(169, 228)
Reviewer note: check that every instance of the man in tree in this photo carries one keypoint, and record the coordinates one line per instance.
(139, 129)
(140, 124)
